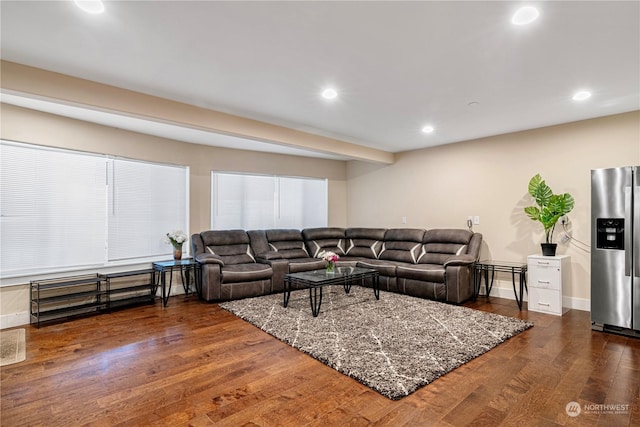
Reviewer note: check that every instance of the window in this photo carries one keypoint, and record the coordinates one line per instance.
(52, 212)
(67, 210)
(264, 202)
(145, 202)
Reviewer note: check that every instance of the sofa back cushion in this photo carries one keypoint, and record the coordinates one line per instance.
(259, 242)
(402, 244)
(232, 246)
(364, 242)
(288, 243)
(324, 239)
(441, 244)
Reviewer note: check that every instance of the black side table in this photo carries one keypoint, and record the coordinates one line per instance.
(186, 266)
(484, 267)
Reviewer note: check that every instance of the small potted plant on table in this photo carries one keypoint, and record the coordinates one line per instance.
(550, 208)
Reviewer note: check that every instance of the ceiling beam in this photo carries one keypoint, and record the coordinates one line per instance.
(40, 83)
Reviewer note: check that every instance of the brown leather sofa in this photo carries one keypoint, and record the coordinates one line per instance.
(285, 251)
(435, 264)
(228, 266)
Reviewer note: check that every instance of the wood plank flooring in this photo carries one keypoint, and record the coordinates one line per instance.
(193, 363)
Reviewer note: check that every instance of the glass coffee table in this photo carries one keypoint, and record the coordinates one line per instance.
(317, 279)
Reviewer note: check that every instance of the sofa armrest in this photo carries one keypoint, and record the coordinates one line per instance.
(209, 259)
(280, 268)
(459, 278)
(460, 260)
(268, 256)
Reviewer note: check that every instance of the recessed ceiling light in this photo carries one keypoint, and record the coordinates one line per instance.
(428, 129)
(329, 93)
(525, 15)
(582, 95)
(90, 6)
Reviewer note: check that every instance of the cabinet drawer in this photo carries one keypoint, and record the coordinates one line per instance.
(545, 300)
(546, 277)
(543, 262)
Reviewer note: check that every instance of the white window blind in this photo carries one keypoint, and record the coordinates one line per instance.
(66, 210)
(262, 202)
(52, 209)
(302, 203)
(145, 202)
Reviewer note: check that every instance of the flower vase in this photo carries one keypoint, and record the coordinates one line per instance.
(177, 253)
(331, 266)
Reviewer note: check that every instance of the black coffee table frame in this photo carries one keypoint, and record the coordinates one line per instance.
(317, 279)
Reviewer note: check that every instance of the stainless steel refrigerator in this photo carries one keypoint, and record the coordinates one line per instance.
(615, 250)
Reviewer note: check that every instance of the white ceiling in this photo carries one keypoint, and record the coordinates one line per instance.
(396, 65)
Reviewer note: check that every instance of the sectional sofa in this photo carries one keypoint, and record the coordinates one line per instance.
(435, 264)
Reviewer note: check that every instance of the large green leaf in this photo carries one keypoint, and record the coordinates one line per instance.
(551, 207)
(533, 212)
(539, 190)
(561, 204)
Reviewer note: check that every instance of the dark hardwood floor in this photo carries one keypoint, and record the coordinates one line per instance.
(195, 364)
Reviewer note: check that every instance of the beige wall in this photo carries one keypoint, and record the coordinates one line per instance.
(436, 187)
(441, 186)
(23, 125)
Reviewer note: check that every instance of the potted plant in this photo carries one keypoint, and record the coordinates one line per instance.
(551, 207)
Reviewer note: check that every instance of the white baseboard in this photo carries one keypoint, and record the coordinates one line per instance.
(582, 304)
(14, 319)
(567, 302)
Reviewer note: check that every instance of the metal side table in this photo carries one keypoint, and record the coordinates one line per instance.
(186, 267)
(488, 269)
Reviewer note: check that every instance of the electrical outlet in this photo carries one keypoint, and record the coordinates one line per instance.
(404, 219)
(476, 220)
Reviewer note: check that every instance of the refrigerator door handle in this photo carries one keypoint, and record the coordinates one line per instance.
(636, 226)
(628, 244)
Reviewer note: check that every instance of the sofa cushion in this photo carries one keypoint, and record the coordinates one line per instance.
(277, 235)
(402, 244)
(224, 237)
(259, 242)
(351, 261)
(288, 243)
(404, 234)
(232, 246)
(385, 268)
(422, 272)
(305, 264)
(246, 273)
(440, 245)
(364, 242)
(324, 239)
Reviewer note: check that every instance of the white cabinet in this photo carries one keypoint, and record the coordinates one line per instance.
(547, 275)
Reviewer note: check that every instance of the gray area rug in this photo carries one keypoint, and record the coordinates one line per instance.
(12, 346)
(394, 346)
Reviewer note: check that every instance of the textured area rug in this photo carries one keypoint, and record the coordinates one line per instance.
(394, 346)
(12, 347)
